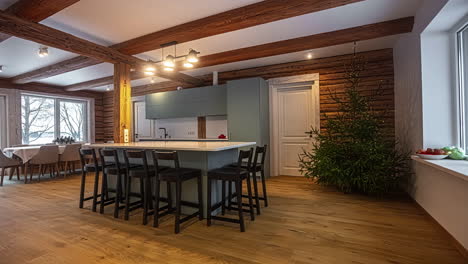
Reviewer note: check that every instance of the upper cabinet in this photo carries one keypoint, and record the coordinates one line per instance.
(203, 101)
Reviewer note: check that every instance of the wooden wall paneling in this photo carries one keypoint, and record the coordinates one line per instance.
(122, 102)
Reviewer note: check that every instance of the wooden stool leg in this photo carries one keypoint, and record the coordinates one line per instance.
(103, 190)
(178, 205)
(257, 198)
(249, 193)
(200, 197)
(264, 188)
(40, 172)
(208, 203)
(118, 195)
(18, 173)
(239, 204)
(157, 186)
(31, 168)
(169, 196)
(230, 195)
(82, 188)
(2, 175)
(144, 198)
(223, 197)
(95, 190)
(12, 171)
(128, 185)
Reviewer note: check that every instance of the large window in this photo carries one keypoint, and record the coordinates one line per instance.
(44, 118)
(462, 54)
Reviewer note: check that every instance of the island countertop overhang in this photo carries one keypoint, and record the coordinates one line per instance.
(176, 145)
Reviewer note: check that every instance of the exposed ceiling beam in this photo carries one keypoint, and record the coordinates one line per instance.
(36, 10)
(239, 18)
(48, 36)
(366, 32)
(349, 35)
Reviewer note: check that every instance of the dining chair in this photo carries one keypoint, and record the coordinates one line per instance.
(70, 155)
(47, 157)
(9, 163)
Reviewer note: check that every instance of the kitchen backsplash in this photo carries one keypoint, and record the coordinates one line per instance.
(188, 127)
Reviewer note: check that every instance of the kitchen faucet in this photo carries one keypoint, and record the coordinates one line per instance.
(165, 132)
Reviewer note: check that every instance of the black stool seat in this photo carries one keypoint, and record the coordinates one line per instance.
(228, 173)
(140, 171)
(244, 165)
(172, 174)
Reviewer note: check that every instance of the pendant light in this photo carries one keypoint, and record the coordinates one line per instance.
(192, 56)
(169, 61)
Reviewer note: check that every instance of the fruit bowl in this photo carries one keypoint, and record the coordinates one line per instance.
(432, 156)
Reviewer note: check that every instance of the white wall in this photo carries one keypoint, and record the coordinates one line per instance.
(424, 110)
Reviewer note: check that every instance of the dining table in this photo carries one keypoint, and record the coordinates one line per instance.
(25, 153)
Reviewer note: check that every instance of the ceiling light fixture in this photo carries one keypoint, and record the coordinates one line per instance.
(188, 64)
(108, 88)
(170, 61)
(309, 56)
(153, 80)
(192, 56)
(43, 51)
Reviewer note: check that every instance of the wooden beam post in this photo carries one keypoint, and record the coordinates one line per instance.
(201, 127)
(122, 102)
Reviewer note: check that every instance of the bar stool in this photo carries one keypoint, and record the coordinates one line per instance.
(137, 163)
(87, 155)
(117, 169)
(236, 175)
(175, 175)
(255, 168)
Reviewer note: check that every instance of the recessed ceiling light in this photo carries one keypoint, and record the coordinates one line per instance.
(108, 88)
(309, 56)
(43, 51)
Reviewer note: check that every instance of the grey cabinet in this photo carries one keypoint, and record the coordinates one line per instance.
(248, 110)
(203, 101)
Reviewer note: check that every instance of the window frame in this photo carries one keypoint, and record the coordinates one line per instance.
(462, 86)
(57, 101)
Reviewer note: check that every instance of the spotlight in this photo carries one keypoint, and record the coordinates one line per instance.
(43, 52)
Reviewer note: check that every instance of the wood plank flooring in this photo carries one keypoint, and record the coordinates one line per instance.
(41, 223)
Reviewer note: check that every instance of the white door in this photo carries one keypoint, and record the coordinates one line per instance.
(296, 114)
(143, 127)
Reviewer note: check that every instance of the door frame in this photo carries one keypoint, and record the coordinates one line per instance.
(135, 100)
(290, 82)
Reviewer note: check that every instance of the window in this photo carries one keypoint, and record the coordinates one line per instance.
(44, 118)
(462, 58)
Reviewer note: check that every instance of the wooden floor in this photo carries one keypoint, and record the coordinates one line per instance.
(306, 223)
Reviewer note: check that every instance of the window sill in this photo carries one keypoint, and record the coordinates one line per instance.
(458, 168)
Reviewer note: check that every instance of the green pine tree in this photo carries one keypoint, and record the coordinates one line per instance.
(353, 152)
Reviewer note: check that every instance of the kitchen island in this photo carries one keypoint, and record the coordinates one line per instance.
(192, 154)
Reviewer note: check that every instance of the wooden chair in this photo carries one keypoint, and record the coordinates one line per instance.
(258, 165)
(47, 157)
(232, 175)
(70, 155)
(175, 175)
(9, 163)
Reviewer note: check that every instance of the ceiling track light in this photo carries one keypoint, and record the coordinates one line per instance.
(43, 51)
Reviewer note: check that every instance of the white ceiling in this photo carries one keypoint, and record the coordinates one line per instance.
(96, 21)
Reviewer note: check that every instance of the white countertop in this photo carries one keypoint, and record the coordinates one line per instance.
(177, 145)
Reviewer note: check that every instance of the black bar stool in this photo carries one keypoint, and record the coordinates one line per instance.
(138, 168)
(89, 164)
(258, 165)
(236, 175)
(175, 175)
(118, 170)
